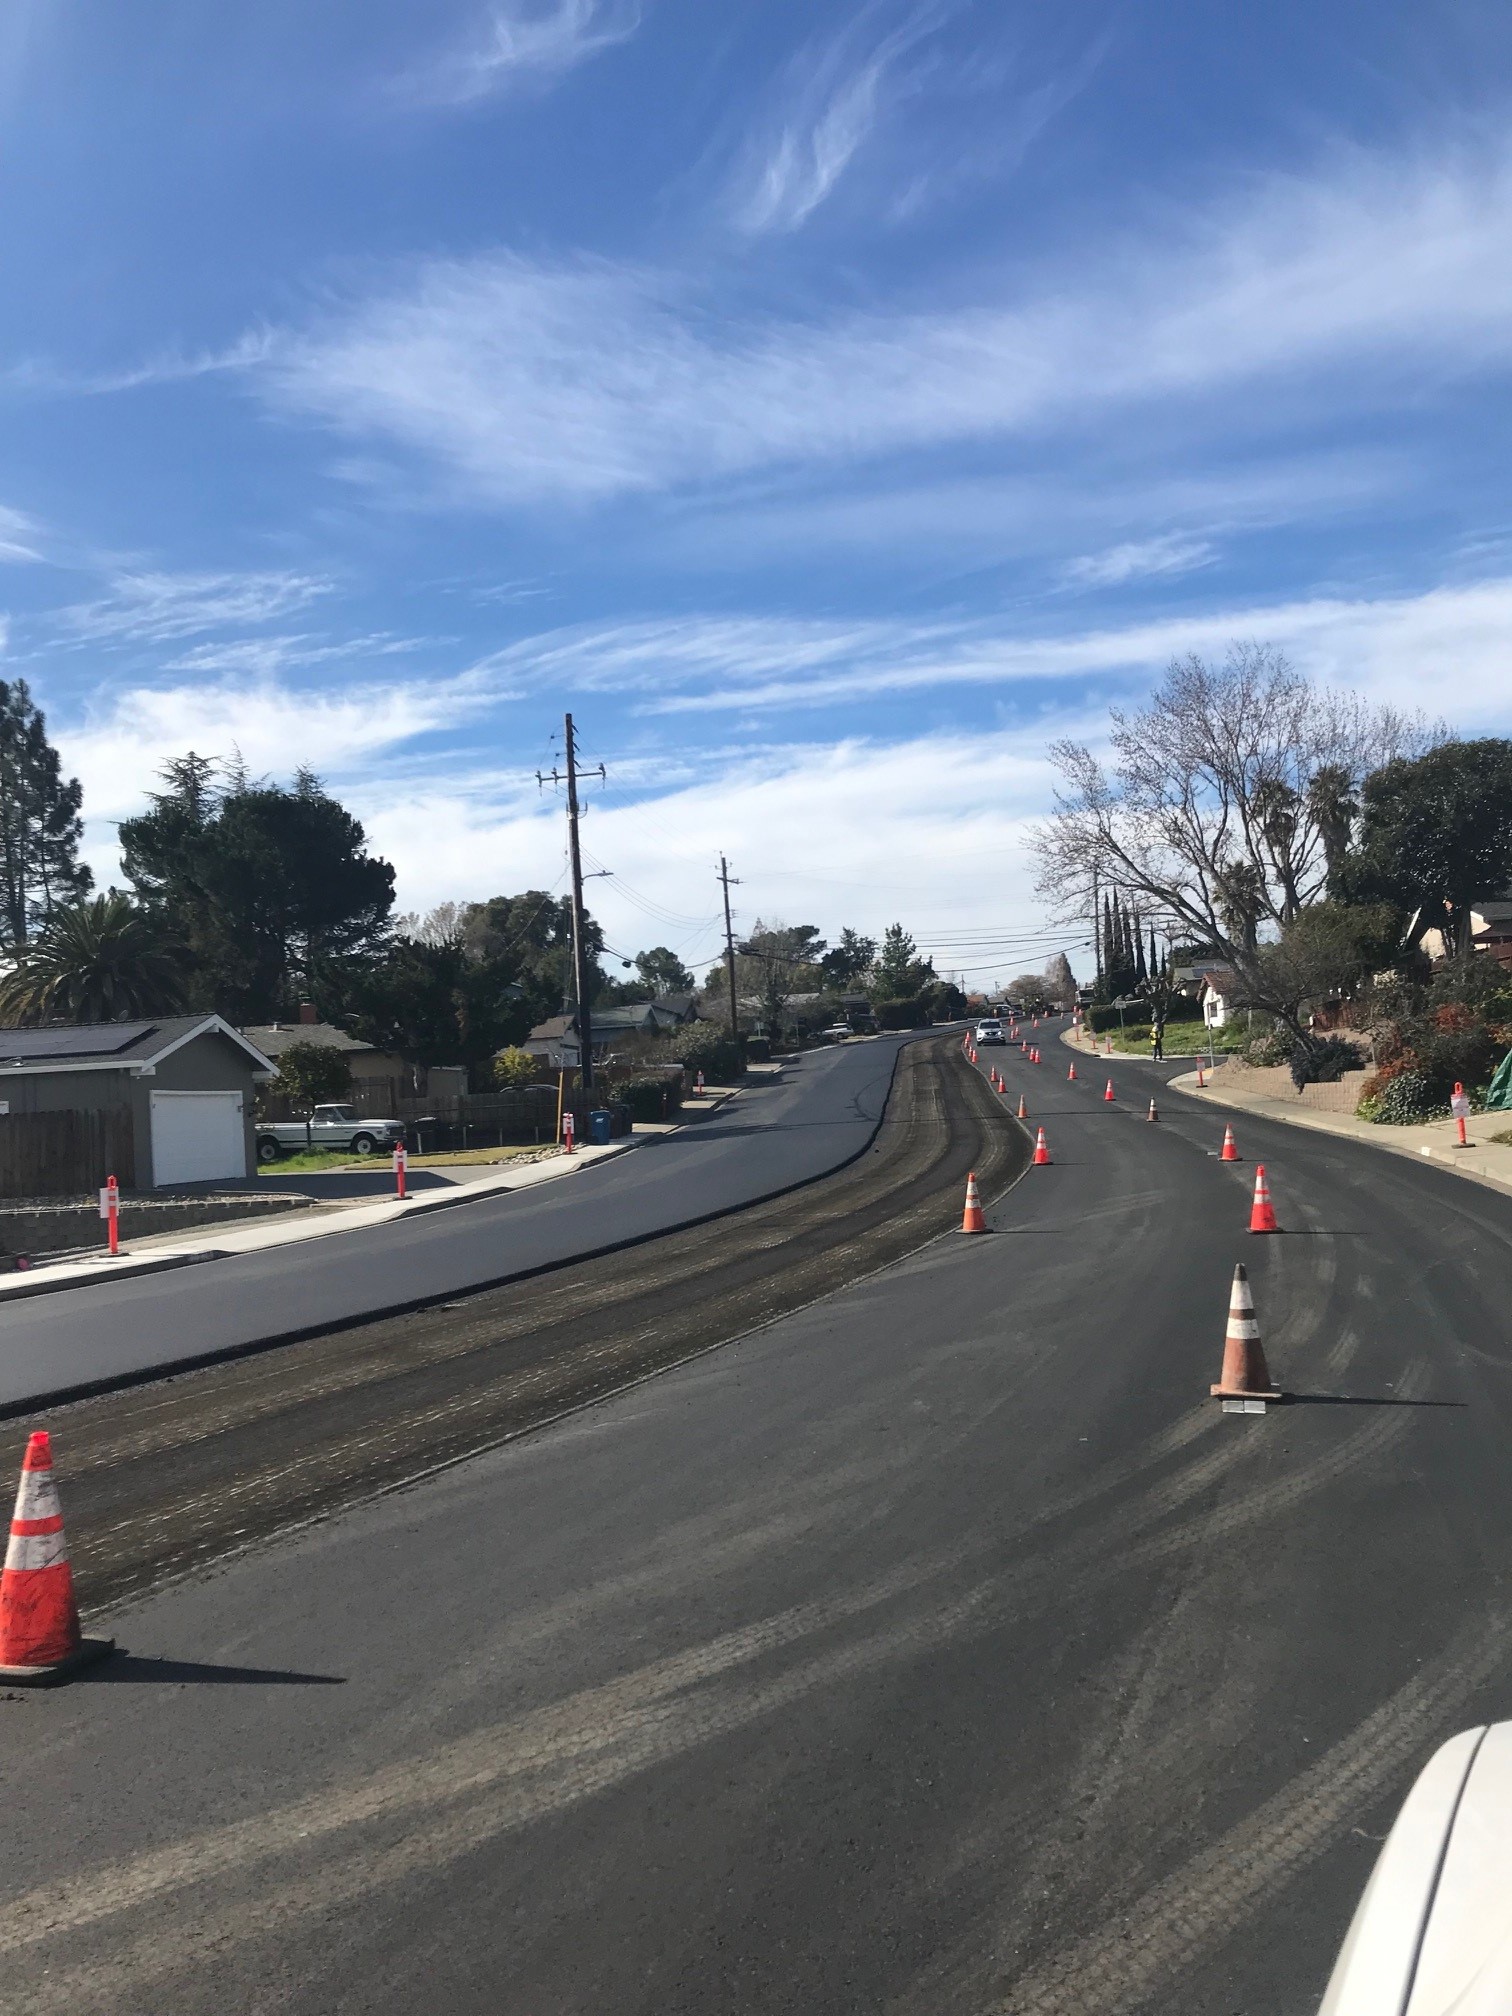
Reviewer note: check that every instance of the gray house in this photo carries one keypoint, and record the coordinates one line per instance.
(151, 1103)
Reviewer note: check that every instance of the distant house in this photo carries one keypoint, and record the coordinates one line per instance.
(380, 1079)
(150, 1103)
(556, 1039)
(1218, 989)
(1490, 931)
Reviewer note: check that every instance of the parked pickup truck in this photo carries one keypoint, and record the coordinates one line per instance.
(327, 1127)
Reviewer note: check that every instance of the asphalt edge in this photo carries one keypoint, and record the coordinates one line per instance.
(65, 1396)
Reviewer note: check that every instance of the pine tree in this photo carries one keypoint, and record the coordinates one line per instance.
(40, 824)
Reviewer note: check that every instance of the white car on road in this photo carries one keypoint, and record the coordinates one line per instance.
(990, 1032)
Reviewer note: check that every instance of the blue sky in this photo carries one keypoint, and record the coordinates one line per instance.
(830, 403)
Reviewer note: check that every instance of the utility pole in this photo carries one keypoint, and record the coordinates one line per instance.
(726, 878)
(579, 948)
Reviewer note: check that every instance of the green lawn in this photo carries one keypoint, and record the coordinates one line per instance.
(1182, 1039)
(309, 1159)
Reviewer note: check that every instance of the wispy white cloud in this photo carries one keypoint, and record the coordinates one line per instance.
(589, 380)
(268, 656)
(158, 607)
(516, 43)
(831, 98)
(168, 366)
(1396, 647)
(20, 536)
(1172, 553)
(359, 734)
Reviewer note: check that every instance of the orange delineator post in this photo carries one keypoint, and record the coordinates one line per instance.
(1041, 1150)
(40, 1640)
(1201, 1081)
(1459, 1106)
(1228, 1152)
(1245, 1385)
(401, 1166)
(973, 1219)
(110, 1206)
(1262, 1211)
(569, 1145)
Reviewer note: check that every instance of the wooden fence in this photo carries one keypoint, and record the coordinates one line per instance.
(66, 1154)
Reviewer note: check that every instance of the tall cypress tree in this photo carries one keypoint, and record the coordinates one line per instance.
(40, 823)
(1140, 975)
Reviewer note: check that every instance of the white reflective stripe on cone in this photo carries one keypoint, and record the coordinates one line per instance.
(38, 1496)
(36, 1550)
(1243, 1326)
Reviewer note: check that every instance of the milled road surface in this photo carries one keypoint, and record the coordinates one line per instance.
(937, 1648)
(822, 1111)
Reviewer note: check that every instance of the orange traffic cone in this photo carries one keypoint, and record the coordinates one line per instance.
(1245, 1386)
(973, 1221)
(1262, 1211)
(1071, 1074)
(1108, 1092)
(40, 1642)
(1023, 1112)
(1041, 1150)
(1152, 1114)
(1228, 1153)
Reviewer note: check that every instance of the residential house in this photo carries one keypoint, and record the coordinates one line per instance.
(1218, 989)
(152, 1103)
(556, 1039)
(1490, 931)
(380, 1078)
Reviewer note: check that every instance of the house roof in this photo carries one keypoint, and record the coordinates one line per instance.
(554, 1027)
(115, 1046)
(274, 1038)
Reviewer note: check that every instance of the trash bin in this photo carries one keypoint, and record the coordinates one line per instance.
(600, 1127)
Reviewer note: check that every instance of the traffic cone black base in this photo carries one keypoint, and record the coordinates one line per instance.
(90, 1652)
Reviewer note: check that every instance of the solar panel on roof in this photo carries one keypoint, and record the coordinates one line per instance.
(101, 1041)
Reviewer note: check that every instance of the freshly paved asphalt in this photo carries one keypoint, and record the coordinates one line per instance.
(823, 1110)
(938, 1648)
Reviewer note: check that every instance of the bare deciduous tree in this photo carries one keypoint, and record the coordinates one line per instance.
(1229, 798)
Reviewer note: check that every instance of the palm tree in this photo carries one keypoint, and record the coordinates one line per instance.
(99, 961)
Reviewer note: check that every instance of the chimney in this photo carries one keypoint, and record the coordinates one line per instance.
(307, 1014)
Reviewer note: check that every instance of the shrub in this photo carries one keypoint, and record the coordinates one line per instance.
(908, 1013)
(1402, 1101)
(706, 1047)
(651, 1098)
(1274, 1047)
(513, 1068)
(1325, 1063)
(311, 1074)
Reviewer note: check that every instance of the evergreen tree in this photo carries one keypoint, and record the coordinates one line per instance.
(40, 826)
(1107, 958)
(1140, 972)
(272, 891)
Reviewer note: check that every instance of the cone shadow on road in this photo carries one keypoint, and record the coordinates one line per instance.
(177, 1672)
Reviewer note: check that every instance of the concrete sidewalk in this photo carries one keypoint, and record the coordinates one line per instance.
(186, 1249)
(1484, 1161)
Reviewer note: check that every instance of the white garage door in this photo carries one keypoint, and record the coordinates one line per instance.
(197, 1137)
